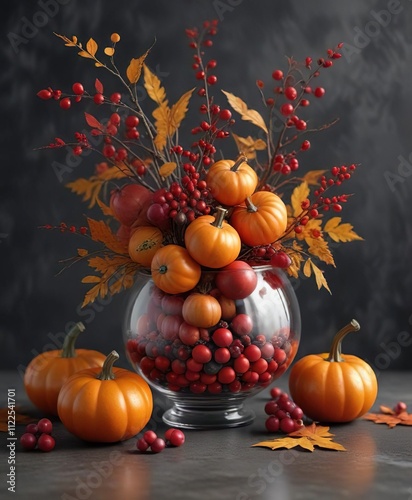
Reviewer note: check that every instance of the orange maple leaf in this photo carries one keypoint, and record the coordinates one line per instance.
(307, 437)
(389, 417)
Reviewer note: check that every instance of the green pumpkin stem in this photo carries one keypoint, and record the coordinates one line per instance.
(68, 350)
(240, 159)
(219, 217)
(335, 353)
(107, 372)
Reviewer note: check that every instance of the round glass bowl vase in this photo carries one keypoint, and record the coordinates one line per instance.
(208, 352)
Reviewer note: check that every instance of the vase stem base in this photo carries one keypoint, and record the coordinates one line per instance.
(191, 417)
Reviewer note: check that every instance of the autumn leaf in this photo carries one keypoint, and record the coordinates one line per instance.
(20, 418)
(248, 146)
(82, 252)
(178, 112)
(318, 273)
(340, 232)
(161, 115)
(101, 232)
(167, 168)
(68, 42)
(109, 51)
(106, 210)
(300, 193)
(134, 70)
(312, 177)
(320, 248)
(153, 86)
(91, 47)
(389, 417)
(93, 122)
(98, 85)
(247, 114)
(307, 438)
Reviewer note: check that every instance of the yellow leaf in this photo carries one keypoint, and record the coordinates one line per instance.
(153, 86)
(161, 115)
(320, 248)
(320, 279)
(91, 47)
(340, 232)
(287, 442)
(312, 177)
(85, 54)
(313, 430)
(91, 295)
(307, 270)
(106, 210)
(99, 65)
(300, 193)
(178, 112)
(91, 279)
(167, 168)
(101, 232)
(248, 146)
(69, 43)
(247, 114)
(82, 252)
(109, 51)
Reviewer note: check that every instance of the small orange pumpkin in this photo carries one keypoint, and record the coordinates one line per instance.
(48, 371)
(231, 182)
(333, 387)
(262, 220)
(211, 241)
(105, 405)
(174, 270)
(144, 243)
(201, 310)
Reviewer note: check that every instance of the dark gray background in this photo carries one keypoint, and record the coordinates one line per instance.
(369, 89)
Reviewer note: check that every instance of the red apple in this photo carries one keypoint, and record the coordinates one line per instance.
(130, 203)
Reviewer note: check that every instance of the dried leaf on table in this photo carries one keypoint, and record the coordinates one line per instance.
(307, 438)
(21, 418)
(389, 417)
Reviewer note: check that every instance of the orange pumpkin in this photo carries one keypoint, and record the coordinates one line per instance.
(201, 310)
(105, 405)
(334, 387)
(174, 270)
(48, 371)
(211, 241)
(262, 220)
(231, 182)
(144, 243)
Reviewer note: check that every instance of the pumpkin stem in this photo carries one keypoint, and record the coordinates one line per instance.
(335, 353)
(68, 350)
(240, 159)
(219, 217)
(250, 206)
(107, 372)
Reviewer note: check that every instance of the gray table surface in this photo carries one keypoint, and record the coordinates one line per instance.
(219, 464)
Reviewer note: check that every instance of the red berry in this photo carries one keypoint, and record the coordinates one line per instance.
(65, 103)
(225, 115)
(275, 392)
(201, 354)
(176, 438)
(200, 75)
(98, 99)
(277, 74)
(286, 109)
(28, 441)
(252, 352)
(272, 424)
(212, 64)
(305, 145)
(400, 407)
(297, 413)
(222, 337)
(32, 428)
(287, 425)
(132, 121)
(44, 94)
(158, 445)
(319, 92)
(78, 89)
(226, 375)
(149, 437)
(212, 79)
(46, 443)
(291, 93)
(115, 119)
(109, 150)
(115, 98)
(142, 444)
(45, 426)
(281, 260)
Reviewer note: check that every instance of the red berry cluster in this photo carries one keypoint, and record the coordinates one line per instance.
(284, 414)
(231, 356)
(38, 435)
(63, 227)
(150, 440)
